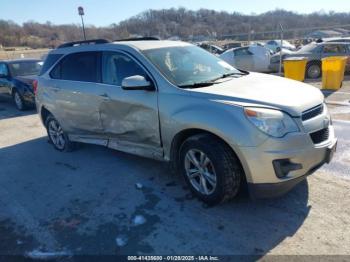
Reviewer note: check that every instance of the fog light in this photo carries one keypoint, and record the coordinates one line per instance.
(284, 166)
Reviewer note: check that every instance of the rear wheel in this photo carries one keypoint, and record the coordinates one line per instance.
(19, 102)
(57, 136)
(313, 70)
(210, 168)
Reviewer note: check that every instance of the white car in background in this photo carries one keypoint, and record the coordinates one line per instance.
(255, 58)
(275, 45)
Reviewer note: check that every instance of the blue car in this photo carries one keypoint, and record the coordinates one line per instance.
(16, 80)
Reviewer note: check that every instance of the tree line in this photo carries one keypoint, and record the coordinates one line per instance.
(175, 22)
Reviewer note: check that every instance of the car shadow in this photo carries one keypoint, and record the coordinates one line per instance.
(86, 199)
(9, 110)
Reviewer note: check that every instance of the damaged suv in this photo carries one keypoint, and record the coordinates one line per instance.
(173, 101)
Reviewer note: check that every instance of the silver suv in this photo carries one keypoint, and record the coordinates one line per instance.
(172, 101)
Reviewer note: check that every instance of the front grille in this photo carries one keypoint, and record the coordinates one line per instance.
(312, 112)
(320, 135)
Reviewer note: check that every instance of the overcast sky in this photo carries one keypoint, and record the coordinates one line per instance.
(106, 12)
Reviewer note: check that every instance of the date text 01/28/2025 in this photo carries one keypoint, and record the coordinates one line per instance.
(173, 258)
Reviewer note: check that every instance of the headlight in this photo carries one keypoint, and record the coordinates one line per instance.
(272, 122)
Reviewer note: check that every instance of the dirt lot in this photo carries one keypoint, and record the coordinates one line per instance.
(31, 53)
(86, 202)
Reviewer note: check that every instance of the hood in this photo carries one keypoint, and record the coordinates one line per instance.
(288, 95)
(26, 79)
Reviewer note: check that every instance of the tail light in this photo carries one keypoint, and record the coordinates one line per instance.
(35, 86)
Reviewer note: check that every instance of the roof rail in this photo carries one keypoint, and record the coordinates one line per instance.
(146, 38)
(85, 42)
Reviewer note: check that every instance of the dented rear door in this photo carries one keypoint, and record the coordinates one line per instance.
(128, 117)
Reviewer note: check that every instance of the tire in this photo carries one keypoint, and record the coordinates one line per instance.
(224, 166)
(58, 138)
(313, 70)
(18, 100)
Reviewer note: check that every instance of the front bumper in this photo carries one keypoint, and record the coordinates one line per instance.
(298, 148)
(269, 190)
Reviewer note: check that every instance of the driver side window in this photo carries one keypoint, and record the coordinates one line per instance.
(117, 66)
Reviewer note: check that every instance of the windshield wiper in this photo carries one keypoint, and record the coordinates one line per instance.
(213, 81)
(227, 75)
(197, 85)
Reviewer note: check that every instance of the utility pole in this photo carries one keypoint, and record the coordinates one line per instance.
(81, 13)
(280, 68)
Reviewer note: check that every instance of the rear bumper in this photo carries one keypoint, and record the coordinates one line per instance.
(29, 98)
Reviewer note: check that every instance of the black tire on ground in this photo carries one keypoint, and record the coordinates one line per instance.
(228, 170)
(18, 100)
(313, 70)
(68, 145)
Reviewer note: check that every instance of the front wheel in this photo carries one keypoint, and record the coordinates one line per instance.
(57, 136)
(210, 168)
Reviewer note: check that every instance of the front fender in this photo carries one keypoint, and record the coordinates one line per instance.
(223, 120)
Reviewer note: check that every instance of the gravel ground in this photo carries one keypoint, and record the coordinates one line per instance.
(99, 201)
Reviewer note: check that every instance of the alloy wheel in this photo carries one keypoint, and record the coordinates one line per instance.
(56, 134)
(200, 171)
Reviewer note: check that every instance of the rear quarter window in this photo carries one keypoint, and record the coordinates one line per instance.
(50, 61)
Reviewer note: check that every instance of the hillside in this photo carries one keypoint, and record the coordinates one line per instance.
(182, 23)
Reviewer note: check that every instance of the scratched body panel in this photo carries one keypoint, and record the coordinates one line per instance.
(76, 106)
(130, 116)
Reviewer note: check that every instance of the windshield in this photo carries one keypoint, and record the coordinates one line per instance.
(25, 68)
(188, 65)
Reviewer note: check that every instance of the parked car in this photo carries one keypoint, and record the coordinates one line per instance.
(16, 78)
(253, 58)
(175, 102)
(216, 50)
(337, 39)
(232, 45)
(275, 45)
(314, 53)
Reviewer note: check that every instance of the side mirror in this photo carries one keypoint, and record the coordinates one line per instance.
(3, 76)
(278, 49)
(137, 82)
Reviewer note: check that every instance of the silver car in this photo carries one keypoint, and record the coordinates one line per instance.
(175, 102)
(314, 53)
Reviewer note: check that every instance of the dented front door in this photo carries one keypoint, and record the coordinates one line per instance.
(129, 117)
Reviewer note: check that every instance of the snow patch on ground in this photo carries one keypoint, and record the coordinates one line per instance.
(121, 240)
(139, 220)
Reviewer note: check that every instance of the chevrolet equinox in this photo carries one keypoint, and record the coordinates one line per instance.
(219, 126)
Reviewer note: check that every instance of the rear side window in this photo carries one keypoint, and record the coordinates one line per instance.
(334, 49)
(49, 61)
(83, 67)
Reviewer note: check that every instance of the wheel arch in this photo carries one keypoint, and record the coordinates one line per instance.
(44, 113)
(181, 137)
